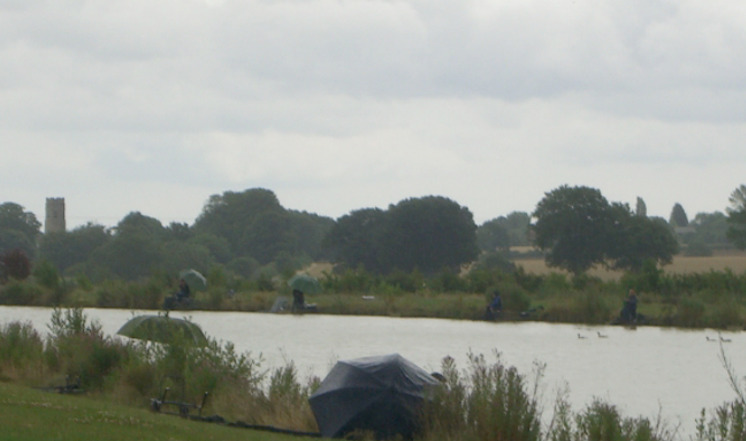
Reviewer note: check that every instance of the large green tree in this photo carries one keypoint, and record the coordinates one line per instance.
(637, 239)
(504, 232)
(66, 249)
(258, 229)
(710, 229)
(737, 217)
(135, 249)
(579, 228)
(19, 229)
(355, 239)
(309, 230)
(429, 233)
(232, 215)
(573, 225)
(492, 235)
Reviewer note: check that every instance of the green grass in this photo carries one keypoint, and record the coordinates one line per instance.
(30, 414)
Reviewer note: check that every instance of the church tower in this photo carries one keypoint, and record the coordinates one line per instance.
(55, 220)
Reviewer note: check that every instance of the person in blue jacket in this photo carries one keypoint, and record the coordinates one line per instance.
(495, 308)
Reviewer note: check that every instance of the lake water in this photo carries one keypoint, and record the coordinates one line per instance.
(644, 372)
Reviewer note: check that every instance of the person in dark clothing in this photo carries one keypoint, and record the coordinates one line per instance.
(495, 308)
(629, 311)
(299, 301)
(183, 292)
(179, 299)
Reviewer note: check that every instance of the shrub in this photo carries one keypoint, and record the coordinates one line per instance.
(726, 313)
(16, 264)
(495, 261)
(19, 293)
(690, 312)
(601, 421)
(287, 399)
(495, 403)
(78, 349)
(727, 424)
(21, 349)
(46, 274)
(407, 282)
(447, 281)
(555, 282)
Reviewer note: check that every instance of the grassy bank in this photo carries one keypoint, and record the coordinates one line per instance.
(29, 414)
(694, 292)
(485, 400)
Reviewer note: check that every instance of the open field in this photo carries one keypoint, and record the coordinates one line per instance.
(28, 414)
(735, 261)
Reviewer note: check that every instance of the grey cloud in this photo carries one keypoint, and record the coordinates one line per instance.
(192, 65)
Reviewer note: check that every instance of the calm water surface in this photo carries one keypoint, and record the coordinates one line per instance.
(643, 371)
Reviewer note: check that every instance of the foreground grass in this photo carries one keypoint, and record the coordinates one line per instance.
(29, 414)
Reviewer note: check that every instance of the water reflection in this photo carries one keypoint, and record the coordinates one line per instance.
(642, 371)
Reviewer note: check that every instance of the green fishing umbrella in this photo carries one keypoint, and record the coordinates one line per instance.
(194, 279)
(163, 329)
(305, 283)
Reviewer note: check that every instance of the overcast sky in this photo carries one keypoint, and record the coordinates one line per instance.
(337, 105)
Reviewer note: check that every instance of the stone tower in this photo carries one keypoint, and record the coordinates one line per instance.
(55, 220)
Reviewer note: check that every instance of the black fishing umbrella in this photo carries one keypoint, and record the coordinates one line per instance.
(163, 329)
(381, 394)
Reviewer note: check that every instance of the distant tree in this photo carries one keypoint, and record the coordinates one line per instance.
(179, 255)
(429, 233)
(709, 229)
(678, 216)
(269, 235)
(178, 231)
(136, 223)
(135, 248)
(65, 249)
(573, 224)
(492, 235)
(641, 209)
(504, 232)
(355, 239)
(19, 229)
(517, 223)
(640, 239)
(256, 226)
(15, 264)
(232, 214)
(129, 257)
(737, 217)
(309, 230)
(218, 247)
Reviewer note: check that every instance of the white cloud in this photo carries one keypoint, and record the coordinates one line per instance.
(153, 106)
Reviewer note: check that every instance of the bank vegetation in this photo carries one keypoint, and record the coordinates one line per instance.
(111, 382)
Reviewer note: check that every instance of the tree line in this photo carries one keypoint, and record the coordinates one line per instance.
(250, 234)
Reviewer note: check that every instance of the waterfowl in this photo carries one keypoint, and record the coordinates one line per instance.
(601, 335)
